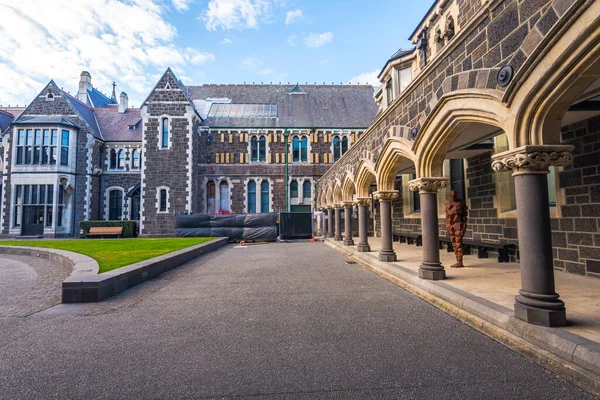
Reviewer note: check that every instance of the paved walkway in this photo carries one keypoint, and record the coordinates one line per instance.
(500, 283)
(29, 284)
(267, 321)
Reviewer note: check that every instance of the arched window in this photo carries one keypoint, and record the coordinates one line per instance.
(344, 145)
(121, 159)
(251, 197)
(162, 200)
(294, 190)
(304, 149)
(306, 190)
(389, 91)
(337, 148)
(135, 159)
(262, 149)
(210, 197)
(224, 194)
(115, 205)
(253, 149)
(164, 140)
(264, 196)
(113, 159)
(295, 149)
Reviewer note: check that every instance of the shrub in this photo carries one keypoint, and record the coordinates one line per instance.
(129, 227)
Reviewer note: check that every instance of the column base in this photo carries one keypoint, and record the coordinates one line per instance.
(387, 256)
(432, 273)
(338, 238)
(348, 242)
(541, 316)
(330, 235)
(363, 248)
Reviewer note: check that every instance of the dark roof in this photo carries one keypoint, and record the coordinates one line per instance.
(15, 111)
(316, 106)
(115, 126)
(5, 119)
(45, 120)
(98, 99)
(399, 54)
(85, 112)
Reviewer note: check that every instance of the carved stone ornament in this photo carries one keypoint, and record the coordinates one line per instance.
(427, 185)
(362, 201)
(532, 159)
(385, 195)
(347, 204)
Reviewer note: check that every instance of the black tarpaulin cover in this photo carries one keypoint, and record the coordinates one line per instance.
(254, 227)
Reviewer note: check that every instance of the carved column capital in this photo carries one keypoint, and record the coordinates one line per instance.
(533, 159)
(347, 204)
(428, 185)
(362, 201)
(337, 205)
(385, 195)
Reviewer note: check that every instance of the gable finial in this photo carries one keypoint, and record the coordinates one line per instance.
(113, 96)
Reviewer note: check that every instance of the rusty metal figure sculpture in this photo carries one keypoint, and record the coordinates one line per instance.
(456, 225)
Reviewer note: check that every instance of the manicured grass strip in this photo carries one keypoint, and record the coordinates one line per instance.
(114, 253)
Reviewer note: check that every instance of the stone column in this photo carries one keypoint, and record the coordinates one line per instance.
(338, 223)
(348, 223)
(431, 267)
(385, 198)
(363, 220)
(537, 302)
(330, 221)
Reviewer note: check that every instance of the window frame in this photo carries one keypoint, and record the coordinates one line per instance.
(165, 133)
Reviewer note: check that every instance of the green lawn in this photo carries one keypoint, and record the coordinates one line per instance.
(114, 253)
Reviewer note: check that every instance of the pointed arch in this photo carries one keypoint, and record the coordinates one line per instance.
(396, 155)
(365, 173)
(452, 116)
(348, 187)
(337, 192)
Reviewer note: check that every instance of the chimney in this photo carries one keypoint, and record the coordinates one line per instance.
(85, 84)
(123, 100)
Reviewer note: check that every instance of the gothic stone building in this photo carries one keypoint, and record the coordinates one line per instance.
(195, 149)
(499, 101)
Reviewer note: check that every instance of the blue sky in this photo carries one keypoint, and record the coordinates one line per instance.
(203, 41)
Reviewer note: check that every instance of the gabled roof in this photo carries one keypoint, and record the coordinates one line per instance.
(5, 119)
(322, 106)
(399, 54)
(181, 86)
(115, 126)
(85, 112)
(98, 99)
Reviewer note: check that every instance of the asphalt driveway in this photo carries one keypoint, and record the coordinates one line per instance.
(267, 321)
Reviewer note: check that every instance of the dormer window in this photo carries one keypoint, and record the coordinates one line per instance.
(404, 78)
(131, 127)
(389, 90)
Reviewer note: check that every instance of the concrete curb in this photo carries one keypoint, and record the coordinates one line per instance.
(565, 353)
(96, 288)
(82, 265)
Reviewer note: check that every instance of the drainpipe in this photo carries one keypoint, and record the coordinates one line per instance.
(287, 183)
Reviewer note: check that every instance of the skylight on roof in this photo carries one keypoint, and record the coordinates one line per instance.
(220, 110)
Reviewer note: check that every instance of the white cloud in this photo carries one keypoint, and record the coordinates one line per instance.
(251, 63)
(366, 78)
(265, 71)
(122, 40)
(236, 14)
(318, 39)
(226, 41)
(292, 40)
(182, 5)
(293, 16)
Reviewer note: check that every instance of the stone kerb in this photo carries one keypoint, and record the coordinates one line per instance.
(96, 288)
(81, 265)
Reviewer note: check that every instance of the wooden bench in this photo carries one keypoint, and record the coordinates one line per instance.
(105, 231)
(408, 238)
(482, 248)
